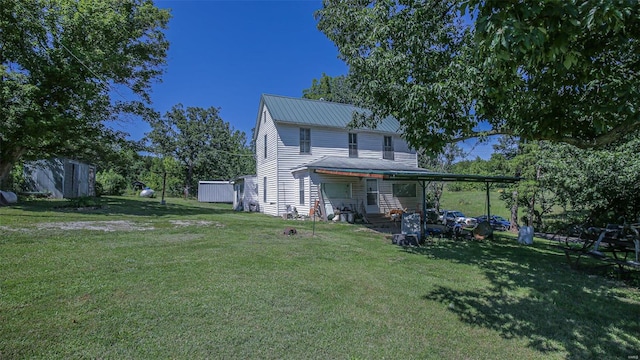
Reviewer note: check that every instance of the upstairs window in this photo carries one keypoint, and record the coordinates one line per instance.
(387, 148)
(353, 145)
(305, 141)
(264, 116)
(265, 146)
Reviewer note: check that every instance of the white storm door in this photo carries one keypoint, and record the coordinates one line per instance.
(371, 185)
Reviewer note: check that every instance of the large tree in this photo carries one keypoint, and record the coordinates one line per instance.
(336, 89)
(68, 66)
(205, 145)
(565, 71)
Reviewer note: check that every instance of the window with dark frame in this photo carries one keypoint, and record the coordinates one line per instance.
(404, 190)
(301, 185)
(353, 145)
(387, 148)
(305, 141)
(265, 146)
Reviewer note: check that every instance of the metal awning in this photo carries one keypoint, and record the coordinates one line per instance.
(418, 175)
(391, 170)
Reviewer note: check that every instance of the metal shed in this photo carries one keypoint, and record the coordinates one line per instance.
(61, 178)
(215, 191)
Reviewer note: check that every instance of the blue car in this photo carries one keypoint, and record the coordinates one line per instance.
(496, 222)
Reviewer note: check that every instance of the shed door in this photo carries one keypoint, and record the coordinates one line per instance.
(372, 196)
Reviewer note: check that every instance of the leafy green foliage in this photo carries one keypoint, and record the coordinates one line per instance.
(111, 183)
(154, 177)
(562, 71)
(206, 146)
(335, 89)
(408, 60)
(61, 64)
(603, 184)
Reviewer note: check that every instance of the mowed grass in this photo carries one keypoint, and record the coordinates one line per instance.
(474, 203)
(190, 281)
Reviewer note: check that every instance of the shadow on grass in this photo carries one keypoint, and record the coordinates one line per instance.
(130, 206)
(535, 295)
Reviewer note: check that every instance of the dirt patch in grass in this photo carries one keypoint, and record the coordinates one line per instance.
(194, 223)
(115, 225)
(110, 226)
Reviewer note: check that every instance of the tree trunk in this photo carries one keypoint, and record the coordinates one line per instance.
(8, 158)
(5, 170)
(514, 212)
(533, 218)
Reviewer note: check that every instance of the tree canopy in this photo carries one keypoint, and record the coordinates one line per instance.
(65, 65)
(206, 146)
(563, 71)
(336, 89)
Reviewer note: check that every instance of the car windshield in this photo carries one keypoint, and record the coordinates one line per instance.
(457, 214)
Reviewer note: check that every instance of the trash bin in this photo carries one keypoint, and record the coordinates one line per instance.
(350, 217)
(343, 217)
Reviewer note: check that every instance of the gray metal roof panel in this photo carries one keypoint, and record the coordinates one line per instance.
(336, 162)
(392, 170)
(320, 113)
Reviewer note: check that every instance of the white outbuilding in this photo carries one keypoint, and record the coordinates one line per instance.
(215, 191)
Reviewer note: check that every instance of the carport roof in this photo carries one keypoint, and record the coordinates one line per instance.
(391, 170)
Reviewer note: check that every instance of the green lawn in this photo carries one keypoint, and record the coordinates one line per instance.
(137, 280)
(474, 203)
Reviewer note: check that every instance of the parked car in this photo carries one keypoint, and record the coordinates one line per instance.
(447, 216)
(496, 222)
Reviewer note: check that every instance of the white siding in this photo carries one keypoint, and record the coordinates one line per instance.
(325, 142)
(389, 202)
(283, 155)
(267, 166)
(355, 202)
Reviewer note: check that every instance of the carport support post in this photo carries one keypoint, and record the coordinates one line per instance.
(488, 203)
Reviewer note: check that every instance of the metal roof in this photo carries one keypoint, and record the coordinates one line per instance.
(391, 170)
(319, 113)
(337, 162)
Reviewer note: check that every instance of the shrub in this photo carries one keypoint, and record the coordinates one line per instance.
(111, 182)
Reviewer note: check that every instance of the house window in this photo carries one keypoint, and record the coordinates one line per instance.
(264, 116)
(387, 148)
(305, 141)
(264, 189)
(337, 190)
(353, 145)
(265, 146)
(301, 186)
(404, 190)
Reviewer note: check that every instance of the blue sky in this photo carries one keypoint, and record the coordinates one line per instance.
(227, 53)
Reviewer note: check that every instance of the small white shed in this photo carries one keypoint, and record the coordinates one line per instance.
(215, 191)
(245, 190)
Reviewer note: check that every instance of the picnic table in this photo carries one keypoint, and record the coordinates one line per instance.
(615, 245)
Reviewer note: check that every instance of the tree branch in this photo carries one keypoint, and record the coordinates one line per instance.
(605, 139)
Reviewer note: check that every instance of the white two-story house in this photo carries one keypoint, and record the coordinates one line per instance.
(305, 152)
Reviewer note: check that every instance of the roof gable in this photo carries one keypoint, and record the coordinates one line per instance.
(318, 113)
